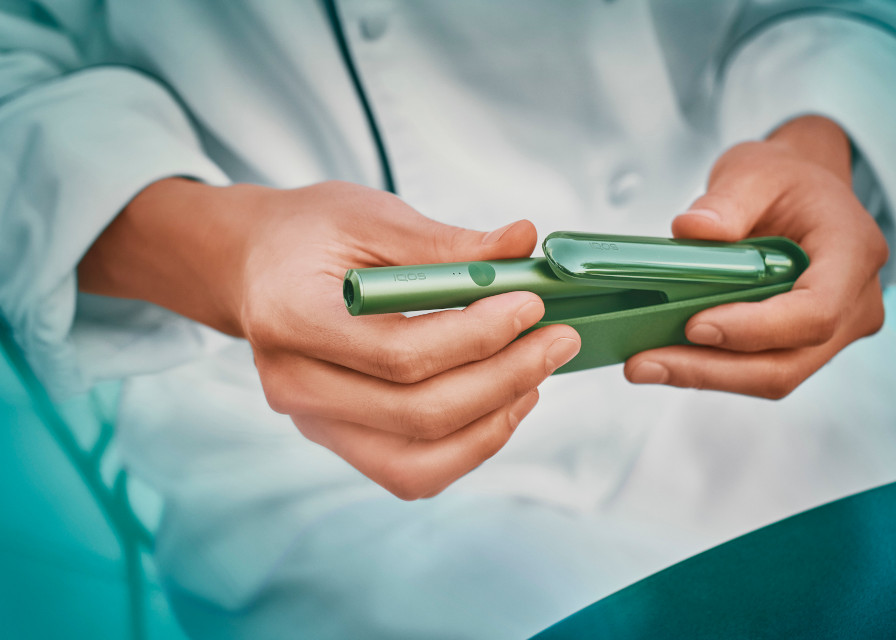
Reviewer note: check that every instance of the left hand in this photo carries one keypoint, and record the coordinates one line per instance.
(794, 184)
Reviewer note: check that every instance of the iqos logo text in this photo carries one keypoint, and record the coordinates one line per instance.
(604, 246)
(404, 277)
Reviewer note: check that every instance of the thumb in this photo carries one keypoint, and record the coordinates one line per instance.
(445, 243)
(514, 240)
(741, 189)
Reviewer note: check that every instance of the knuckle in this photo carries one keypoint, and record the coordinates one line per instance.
(875, 317)
(426, 420)
(404, 482)
(286, 393)
(881, 251)
(311, 430)
(455, 239)
(482, 345)
(300, 402)
(824, 325)
(433, 493)
(275, 400)
(486, 331)
(498, 437)
(272, 385)
(520, 385)
(780, 383)
(400, 362)
(278, 399)
(403, 493)
(286, 400)
(879, 317)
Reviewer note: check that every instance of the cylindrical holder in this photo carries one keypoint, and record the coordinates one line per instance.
(454, 284)
(646, 263)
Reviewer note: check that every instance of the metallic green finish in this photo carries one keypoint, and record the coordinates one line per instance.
(617, 313)
(455, 284)
(643, 263)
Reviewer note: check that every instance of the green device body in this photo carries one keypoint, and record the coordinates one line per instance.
(623, 294)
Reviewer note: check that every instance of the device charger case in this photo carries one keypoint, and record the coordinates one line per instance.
(633, 311)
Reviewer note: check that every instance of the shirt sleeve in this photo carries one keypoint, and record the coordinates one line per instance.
(837, 66)
(78, 140)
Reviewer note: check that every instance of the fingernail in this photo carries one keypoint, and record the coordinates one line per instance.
(529, 314)
(649, 373)
(705, 213)
(705, 334)
(560, 352)
(494, 236)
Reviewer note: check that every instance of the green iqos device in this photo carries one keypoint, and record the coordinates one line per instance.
(623, 294)
(454, 284)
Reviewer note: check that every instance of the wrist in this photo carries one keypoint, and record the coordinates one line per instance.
(180, 244)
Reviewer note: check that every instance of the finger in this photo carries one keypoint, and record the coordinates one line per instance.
(408, 350)
(401, 235)
(790, 320)
(429, 409)
(813, 310)
(744, 183)
(807, 316)
(431, 241)
(413, 469)
(770, 374)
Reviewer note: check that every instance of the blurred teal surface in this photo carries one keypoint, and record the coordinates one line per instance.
(74, 560)
(829, 572)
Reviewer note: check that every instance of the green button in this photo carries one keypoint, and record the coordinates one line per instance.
(482, 273)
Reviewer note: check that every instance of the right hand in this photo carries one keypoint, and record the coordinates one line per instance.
(412, 403)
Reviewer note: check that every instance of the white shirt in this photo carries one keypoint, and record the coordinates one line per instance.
(600, 116)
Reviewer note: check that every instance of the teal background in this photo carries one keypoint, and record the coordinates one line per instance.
(74, 561)
(826, 573)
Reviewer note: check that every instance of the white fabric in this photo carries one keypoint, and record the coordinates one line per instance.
(593, 117)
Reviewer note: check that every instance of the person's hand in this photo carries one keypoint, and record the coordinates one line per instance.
(795, 184)
(413, 403)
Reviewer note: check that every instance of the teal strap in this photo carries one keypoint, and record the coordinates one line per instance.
(826, 573)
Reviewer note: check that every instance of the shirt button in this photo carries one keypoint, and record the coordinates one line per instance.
(624, 185)
(373, 26)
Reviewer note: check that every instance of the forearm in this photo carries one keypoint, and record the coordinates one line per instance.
(178, 244)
